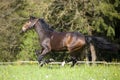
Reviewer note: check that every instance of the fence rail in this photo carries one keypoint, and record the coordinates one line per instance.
(59, 63)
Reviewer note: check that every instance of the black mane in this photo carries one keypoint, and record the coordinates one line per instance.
(45, 25)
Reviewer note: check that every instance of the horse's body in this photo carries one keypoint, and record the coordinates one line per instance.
(51, 40)
(70, 41)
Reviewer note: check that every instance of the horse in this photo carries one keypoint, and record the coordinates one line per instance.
(51, 40)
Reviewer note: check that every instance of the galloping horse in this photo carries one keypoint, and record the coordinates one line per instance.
(51, 40)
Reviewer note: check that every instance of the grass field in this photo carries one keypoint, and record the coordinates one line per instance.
(56, 72)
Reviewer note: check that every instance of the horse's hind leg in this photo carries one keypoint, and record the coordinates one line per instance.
(93, 53)
(88, 58)
(74, 61)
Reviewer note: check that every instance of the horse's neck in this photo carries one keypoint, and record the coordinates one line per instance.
(41, 32)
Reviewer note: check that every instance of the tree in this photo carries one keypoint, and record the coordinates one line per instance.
(9, 22)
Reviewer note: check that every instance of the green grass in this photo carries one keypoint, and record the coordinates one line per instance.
(56, 72)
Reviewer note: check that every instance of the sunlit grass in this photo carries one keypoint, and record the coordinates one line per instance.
(56, 72)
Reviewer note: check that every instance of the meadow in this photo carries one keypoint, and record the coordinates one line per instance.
(56, 72)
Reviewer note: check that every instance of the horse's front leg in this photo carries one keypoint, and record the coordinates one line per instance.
(41, 56)
(37, 52)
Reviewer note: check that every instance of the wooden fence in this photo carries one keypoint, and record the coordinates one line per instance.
(58, 63)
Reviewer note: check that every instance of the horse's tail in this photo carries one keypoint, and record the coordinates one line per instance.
(102, 43)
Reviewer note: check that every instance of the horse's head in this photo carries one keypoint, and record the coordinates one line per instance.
(29, 24)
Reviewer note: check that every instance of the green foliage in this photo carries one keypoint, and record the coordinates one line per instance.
(84, 16)
(9, 30)
(28, 46)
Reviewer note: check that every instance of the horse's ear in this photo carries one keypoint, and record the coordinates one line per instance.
(31, 18)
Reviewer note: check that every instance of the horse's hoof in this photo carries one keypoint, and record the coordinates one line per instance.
(72, 66)
(42, 63)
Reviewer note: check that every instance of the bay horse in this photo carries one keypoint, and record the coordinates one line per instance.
(51, 40)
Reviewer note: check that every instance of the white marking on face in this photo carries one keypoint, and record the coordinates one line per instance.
(23, 28)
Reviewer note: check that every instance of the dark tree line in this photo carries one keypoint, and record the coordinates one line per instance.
(90, 17)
